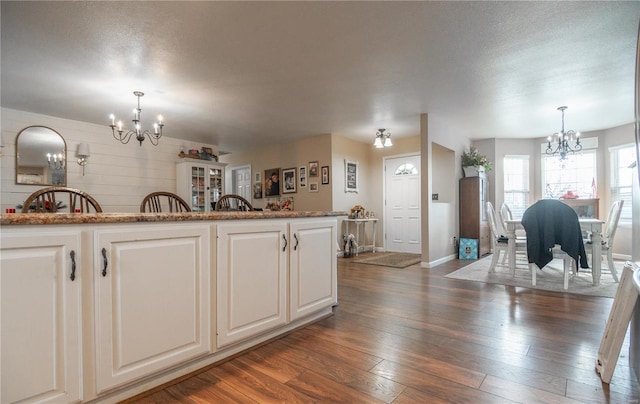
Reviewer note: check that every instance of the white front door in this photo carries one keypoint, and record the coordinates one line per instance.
(402, 204)
(241, 182)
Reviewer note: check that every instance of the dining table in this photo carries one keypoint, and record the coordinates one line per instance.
(589, 224)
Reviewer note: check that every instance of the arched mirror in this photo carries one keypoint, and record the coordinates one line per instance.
(41, 157)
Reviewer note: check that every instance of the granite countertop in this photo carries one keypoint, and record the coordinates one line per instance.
(93, 218)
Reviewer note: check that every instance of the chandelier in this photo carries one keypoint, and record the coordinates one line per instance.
(562, 139)
(55, 161)
(382, 139)
(140, 134)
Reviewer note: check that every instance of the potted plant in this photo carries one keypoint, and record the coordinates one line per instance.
(474, 163)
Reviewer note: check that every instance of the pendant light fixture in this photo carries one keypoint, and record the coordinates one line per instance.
(562, 141)
(382, 139)
(138, 132)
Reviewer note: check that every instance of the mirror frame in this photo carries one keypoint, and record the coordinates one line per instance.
(17, 162)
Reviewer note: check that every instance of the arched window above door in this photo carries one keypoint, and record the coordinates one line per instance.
(406, 169)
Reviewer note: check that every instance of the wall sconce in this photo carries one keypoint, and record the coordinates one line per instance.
(83, 154)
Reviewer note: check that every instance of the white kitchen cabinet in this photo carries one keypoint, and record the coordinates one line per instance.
(252, 278)
(313, 266)
(200, 183)
(152, 299)
(40, 296)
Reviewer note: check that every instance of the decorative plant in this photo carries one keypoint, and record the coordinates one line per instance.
(474, 159)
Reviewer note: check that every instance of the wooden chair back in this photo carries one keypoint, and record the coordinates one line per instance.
(53, 199)
(163, 202)
(231, 202)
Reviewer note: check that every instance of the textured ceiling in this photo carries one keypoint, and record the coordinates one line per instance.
(242, 74)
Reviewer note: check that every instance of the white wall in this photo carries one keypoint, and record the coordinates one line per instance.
(118, 176)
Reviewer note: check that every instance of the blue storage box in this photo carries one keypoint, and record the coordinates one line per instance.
(468, 249)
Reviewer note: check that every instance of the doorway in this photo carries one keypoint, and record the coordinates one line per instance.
(402, 204)
(241, 181)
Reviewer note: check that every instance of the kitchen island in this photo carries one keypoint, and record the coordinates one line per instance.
(101, 307)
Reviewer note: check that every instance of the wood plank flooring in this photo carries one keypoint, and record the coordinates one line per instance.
(412, 336)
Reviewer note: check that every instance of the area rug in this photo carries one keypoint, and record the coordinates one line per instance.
(388, 259)
(549, 278)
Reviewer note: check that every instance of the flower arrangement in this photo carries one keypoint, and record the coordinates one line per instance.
(474, 159)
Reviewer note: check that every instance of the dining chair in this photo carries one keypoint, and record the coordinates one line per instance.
(53, 199)
(164, 202)
(553, 231)
(232, 202)
(499, 242)
(607, 238)
(505, 214)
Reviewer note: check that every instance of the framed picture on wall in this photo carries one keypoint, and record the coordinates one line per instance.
(313, 169)
(324, 174)
(350, 176)
(272, 182)
(257, 177)
(257, 190)
(289, 180)
(313, 186)
(302, 176)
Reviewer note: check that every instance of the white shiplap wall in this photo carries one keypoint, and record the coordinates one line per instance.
(118, 176)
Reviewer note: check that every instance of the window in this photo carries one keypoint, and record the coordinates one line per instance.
(406, 169)
(622, 178)
(516, 184)
(576, 174)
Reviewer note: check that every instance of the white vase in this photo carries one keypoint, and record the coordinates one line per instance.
(473, 171)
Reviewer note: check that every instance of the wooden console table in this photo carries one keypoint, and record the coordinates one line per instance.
(362, 223)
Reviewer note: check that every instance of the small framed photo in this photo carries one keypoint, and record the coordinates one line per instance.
(313, 169)
(257, 190)
(313, 186)
(289, 178)
(324, 174)
(257, 177)
(286, 203)
(302, 176)
(272, 182)
(351, 176)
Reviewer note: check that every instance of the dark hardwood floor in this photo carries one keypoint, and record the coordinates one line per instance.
(410, 335)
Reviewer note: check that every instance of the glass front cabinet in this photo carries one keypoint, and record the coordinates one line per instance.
(200, 183)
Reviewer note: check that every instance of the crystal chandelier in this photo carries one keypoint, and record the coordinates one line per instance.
(562, 139)
(140, 134)
(56, 161)
(382, 139)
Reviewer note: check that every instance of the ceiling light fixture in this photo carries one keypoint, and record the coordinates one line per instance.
(382, 139)
(124, 139)
(562, 139)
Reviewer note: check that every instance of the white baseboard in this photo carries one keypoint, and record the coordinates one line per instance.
(439, 261)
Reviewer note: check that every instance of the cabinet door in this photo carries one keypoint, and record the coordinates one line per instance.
(200, 184)
(40, 310)
(313, 266)
(252, 263)
(152, 301)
